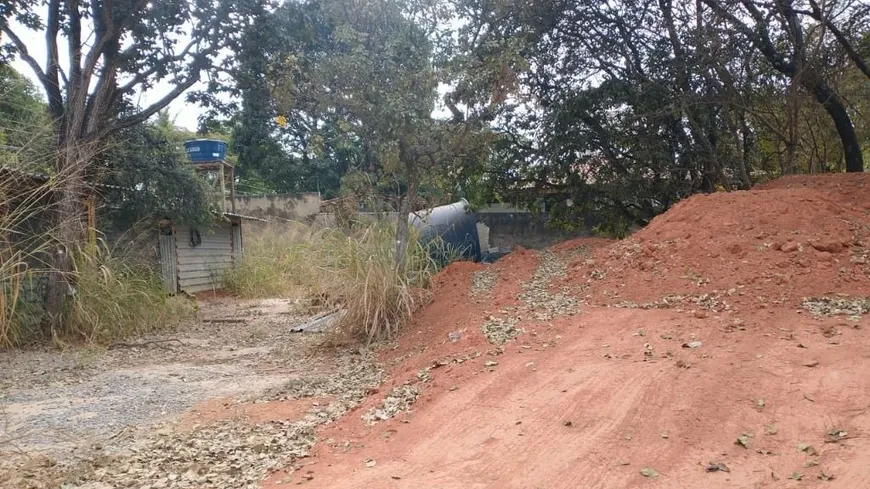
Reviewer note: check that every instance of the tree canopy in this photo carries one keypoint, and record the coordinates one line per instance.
(618, 108)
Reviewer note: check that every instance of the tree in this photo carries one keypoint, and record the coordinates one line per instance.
(794, 63)
(356, 83)
(625, 107)
(114, 52)
(23, 122)
(149, 176)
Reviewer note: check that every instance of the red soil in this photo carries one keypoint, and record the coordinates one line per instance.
(223, 408)
(590, 400)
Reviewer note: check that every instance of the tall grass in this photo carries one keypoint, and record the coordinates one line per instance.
(114, 298)
(23, 241)
(350, 269)
(109, 297)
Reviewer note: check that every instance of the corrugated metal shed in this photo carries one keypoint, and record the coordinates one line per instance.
(194, 260)
(203, 256)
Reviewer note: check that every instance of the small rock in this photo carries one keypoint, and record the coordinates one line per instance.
(567, 423)
(701, 314)
(490, 363)
(649, 472)
(693, 344)
(808, 449)
(829, 246)
(789, 247)
(835, 435)
(370, 463)
(812, 363)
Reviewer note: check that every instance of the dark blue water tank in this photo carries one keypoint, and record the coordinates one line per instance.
(449, 231)
(206, 150)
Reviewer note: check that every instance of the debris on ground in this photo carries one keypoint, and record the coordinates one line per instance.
(400, 400)
(836, 306)
(537, 297)
(717, 467)
(836, 435)
(483, 281)
(743, 440)
(499, 331)
(808, 449)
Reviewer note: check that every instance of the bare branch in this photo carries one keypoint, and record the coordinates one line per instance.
(156, 107)
(856, 58)
(23, 52)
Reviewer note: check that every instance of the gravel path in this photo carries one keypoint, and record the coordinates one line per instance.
(91, 416)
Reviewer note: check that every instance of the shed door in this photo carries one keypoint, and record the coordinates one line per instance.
(168, 261)
(237, 242)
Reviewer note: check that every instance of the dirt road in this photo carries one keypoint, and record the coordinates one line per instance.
(217, 403)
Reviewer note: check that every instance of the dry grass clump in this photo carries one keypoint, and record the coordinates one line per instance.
(350, 269)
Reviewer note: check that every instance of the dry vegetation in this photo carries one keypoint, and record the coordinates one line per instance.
(109, 297)
(352, 270)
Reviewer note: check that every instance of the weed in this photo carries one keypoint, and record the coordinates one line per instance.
(113, 299)
(352, 268)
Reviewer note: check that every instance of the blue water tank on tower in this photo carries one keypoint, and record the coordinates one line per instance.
(201, 150)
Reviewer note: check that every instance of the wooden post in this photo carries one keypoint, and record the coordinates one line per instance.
(223, 188)
(233, 189)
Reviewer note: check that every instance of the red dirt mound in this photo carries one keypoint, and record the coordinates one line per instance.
(781, 243)
(849, 189)
(743, 392)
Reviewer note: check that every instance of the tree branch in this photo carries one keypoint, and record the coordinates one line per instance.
(856, 58)
(761, 38)
(52, 63)
(156, 107)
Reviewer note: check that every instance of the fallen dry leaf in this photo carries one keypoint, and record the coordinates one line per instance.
(807, 448)
(717, 467)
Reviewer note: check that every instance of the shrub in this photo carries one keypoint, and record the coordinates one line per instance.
(351, 269)
(114, 299)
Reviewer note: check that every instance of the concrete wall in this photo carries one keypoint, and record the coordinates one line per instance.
(279, 206)
(501, 228)
(510, 227)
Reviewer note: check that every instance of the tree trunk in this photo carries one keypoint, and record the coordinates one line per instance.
(402, 227)
(834, 107)
(69, 231)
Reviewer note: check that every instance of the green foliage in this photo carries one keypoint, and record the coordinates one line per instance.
(356, 85)
(25, 128)
(149, 176)
(627, 107)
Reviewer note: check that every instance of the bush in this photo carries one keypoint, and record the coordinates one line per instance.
(352, 270)
(113, 299)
